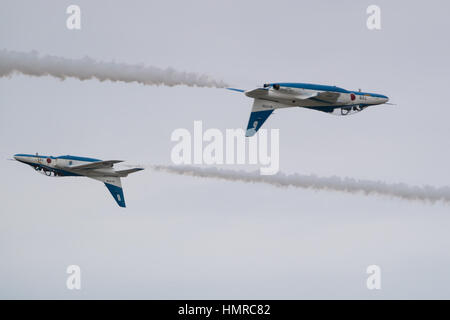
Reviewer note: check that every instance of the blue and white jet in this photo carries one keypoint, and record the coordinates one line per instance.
(329, 99)
(64, 166)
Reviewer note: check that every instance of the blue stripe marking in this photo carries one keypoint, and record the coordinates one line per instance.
(32, 155)
(327, 109)
(234, 89)
(66, 157)
(321, 87)
(311, 86)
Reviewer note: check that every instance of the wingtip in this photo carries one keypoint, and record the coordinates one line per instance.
(235, 89)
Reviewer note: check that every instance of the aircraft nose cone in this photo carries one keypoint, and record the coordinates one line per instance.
(383, 99)
(19, 157)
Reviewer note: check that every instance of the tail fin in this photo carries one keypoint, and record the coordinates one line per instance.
(114, 186)
(261, 110)
(256, 121)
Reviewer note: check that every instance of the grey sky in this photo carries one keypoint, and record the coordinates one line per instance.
(184, 237)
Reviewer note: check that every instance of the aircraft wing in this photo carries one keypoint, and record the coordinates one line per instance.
(266, 94)
(96, 165)
(306, 96)
(327, 97)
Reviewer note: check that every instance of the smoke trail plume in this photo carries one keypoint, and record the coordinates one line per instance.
(347, 185)
(33, 64)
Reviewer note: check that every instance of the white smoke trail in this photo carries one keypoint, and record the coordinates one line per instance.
(348, 185)
(33, 64)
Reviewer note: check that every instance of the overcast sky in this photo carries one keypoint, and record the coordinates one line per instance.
(183, 237)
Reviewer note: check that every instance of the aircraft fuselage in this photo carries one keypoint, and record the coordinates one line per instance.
(96, 169)
(293, 95)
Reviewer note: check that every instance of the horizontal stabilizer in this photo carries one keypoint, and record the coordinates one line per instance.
(124, 173)
(257, 93)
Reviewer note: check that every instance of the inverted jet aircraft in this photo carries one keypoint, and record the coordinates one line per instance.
(329, 99)
(64, 166)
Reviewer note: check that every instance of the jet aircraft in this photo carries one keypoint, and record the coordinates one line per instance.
(64, 166)
(329, 99)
